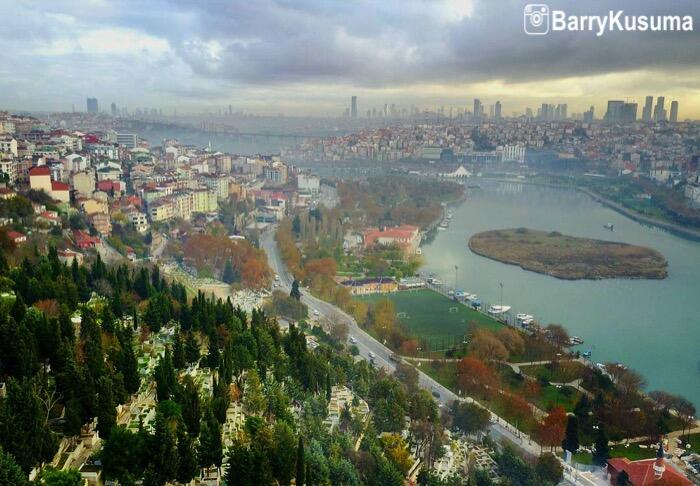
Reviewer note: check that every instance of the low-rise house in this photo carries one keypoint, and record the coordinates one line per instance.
(371, 285)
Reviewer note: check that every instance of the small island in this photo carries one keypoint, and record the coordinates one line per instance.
(569, 257)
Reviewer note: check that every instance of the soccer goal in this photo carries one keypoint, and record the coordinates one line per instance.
(401, 315)
(454, 310)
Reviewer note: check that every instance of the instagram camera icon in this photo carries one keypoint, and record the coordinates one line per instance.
(536, 18)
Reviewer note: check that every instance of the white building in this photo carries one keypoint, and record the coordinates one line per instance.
(308, 183)
(8, 145)
(514, 153)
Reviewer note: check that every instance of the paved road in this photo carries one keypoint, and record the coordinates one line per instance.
(367, 344)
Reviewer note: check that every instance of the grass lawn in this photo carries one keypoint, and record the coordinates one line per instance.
(430, 315)
(552, 396)
(444, 373)
(694, 440)
(584, 458)
(561, 372)
(633, 452)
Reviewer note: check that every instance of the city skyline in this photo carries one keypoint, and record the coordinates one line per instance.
(427, 54)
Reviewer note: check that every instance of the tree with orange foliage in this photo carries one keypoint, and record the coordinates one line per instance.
(211, 251)
(473, 376)
(485, 346)
(324, 267)
(50, 307)
(409, 347)
(550, 431)
(531, 389)
(517, 408)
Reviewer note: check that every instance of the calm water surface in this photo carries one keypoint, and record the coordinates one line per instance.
(652, 326)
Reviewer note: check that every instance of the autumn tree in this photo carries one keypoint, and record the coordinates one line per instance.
(512, 340)
(474, 377)
(550, 431)
(487, 347)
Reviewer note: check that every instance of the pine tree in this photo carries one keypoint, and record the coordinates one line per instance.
(191, 348)
(106, 407)
(295, 293)
(10, 472)
(127, 363)
(601, 452)
(164, 452)
(187, 466)
(210, 446)
(571, 441)
(230, 274)
(191, 407)
(179, 361)
(300, 479)
(165, 377)
(283, 456)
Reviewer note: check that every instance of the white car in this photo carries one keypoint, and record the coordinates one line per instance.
(371, 355)
(316, 312)
(353, 339)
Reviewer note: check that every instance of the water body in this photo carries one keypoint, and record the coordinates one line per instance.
(652, 326)
(234, 144)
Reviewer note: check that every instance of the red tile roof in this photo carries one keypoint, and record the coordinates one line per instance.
(641, 473)
(400, 234)
(59, 186)
(39, 170)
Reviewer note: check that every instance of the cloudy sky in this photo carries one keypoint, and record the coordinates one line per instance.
(306, 57)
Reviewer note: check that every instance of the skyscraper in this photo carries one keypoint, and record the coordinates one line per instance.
(478, 111)
(588, 115)
(92, 105)
(646, 112)
(113, 109)
(497, 110)
(659, 111)
(353, 107)
(561, 111)
(674, 112)
(621, 112)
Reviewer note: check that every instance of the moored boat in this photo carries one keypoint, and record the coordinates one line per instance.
(496, 310)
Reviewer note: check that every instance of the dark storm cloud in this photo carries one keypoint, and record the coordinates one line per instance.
(212, 47)
(384, 44)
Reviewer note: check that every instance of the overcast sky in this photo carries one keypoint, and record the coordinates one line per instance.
(307, 57)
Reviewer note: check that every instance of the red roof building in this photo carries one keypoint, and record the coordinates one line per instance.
(59, 186)
(17, 237)
(39, 170)
(406, 236)
(647, 472)
(83, 240)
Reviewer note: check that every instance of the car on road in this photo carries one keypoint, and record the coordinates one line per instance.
(395, 358)
(316, 312)
(277, 277)
(436, 393)
(353, 339)
(371, 355)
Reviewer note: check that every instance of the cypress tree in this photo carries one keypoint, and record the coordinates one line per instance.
(571, 441)
(300, 476)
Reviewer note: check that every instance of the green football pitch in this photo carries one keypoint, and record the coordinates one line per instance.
(428, 314)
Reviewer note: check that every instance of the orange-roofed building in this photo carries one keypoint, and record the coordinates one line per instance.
(405, 236)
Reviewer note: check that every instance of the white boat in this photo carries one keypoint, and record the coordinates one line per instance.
(524, 319)
(575, 341)
(496, 310)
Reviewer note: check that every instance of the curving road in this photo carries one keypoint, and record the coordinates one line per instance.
(367, 344)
